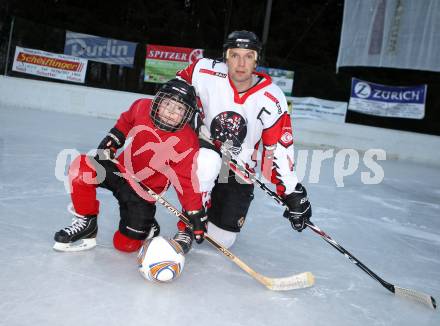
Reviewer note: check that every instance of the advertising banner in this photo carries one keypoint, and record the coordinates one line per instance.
(388, 101)
(280, 77)
(162, 62)
(100, 49)
(390, 33)
(315, 108)
(50, 65)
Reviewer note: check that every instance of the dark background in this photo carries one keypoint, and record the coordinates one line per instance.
(303, 37)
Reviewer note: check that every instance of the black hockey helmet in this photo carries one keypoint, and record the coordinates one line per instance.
(244, 40)
(178, 91)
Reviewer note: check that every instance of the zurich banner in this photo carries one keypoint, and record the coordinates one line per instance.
(388, 101)
(100, 49)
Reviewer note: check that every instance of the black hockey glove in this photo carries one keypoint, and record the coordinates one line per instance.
(300, 210)
(198, 221)
(114, 140)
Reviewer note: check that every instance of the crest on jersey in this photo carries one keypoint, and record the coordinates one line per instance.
(286, 139)
(229, 126)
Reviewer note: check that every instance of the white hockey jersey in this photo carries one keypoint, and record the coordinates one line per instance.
(258, 115)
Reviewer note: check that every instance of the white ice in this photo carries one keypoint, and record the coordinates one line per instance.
(392, 227)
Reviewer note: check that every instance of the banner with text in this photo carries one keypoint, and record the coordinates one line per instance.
(388, 101)
(50, 65)
(280, 77)
(318, 109)
(100, 49)
(162, 62)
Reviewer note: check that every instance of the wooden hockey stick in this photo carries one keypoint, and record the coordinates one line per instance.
(249, 177)
(296, 281)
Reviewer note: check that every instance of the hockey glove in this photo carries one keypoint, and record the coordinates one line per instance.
(198, 221)
(110, 144)
(300, 210)
(196, 122)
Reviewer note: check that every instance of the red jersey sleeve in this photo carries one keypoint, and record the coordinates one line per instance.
(127, 119)
(187, 73)
(277, 159)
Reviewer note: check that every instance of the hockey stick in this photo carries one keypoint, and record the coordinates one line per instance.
(296, 281)
(248, 177)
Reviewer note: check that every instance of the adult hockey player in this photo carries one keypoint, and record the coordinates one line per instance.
(243, 108)
(162, 151)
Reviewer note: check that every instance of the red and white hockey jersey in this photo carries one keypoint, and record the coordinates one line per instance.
(258, 115)
(159, 157)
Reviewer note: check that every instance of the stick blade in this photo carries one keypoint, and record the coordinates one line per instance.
(293, 282)
(421, 297)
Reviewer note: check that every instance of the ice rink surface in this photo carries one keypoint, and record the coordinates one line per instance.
(392, 227)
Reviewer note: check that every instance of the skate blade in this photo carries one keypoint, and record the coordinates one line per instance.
(80, 245)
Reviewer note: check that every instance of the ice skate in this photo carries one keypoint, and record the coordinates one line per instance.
(80, 235)
(184, 238)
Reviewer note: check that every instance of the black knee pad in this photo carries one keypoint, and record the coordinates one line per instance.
(137, 215)
(229, 204)
(137, 220)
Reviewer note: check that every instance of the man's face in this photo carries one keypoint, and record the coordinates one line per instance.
(171, 112)
(241, 64)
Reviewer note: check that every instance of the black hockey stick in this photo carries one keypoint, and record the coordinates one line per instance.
(296, 281)
(249, 177)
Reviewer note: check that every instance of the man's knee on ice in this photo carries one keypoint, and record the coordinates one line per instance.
(224, 237)
(209, 164)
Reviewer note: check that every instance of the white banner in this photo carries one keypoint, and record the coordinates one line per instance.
(101, 49)
(50, 65)
(315, 108)
(388, 101)
(390, 33)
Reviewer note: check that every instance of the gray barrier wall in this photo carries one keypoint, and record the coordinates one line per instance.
(51, 96)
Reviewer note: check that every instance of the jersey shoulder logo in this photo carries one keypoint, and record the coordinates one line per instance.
(286, 138)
